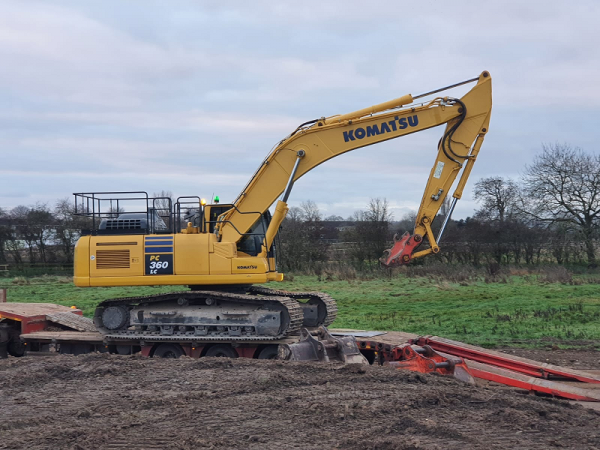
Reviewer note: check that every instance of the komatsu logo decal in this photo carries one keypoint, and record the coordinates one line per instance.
(247, 267)
(382, 128)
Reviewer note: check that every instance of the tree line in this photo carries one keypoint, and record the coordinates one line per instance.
(552, 213)
(39, 234)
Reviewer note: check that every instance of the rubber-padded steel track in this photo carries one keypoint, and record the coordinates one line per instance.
(290, 306)
(326, 303)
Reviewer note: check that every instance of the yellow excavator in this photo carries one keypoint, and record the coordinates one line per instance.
(221, 250)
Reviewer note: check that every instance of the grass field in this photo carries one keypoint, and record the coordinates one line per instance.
(518, 311)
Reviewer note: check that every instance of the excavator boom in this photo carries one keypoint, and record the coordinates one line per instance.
(313, 143)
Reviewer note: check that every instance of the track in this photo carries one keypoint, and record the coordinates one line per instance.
(179, 301)
(326, 305)
(306, 309)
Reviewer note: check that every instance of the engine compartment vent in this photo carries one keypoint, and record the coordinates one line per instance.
(112, 259)
(123, 224)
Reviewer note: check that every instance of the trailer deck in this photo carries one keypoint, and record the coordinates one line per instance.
(53, 329)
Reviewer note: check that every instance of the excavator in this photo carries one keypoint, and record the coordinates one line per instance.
(222, 251)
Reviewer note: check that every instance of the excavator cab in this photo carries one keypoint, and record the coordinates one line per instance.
(253, 241)
(211, 216)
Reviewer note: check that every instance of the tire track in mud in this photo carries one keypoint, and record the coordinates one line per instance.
(113, 402)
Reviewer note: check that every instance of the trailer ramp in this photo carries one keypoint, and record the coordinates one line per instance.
(70, 320)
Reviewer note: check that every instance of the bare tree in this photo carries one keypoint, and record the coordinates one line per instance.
(67, 227)
(315, 249)
(563, 185)
(310, 211)
(498, 197)
(5, 233)
(163, 203)
(22, 233)
(292, 240)
(379, 217)
(11, 242)
(295, 214)
(301, 232)
(32, 226)
(370, 235)
(40, 223)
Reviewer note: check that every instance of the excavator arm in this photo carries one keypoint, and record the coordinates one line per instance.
(313, 143)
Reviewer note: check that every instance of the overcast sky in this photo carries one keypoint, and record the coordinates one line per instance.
(189, 97)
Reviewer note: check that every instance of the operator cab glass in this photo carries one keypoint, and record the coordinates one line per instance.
(252, 242)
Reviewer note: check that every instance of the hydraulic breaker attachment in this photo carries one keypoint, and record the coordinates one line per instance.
(426, 360)
(401, 251)
(323, 348)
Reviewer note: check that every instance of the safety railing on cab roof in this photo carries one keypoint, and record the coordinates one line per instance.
(131, 212)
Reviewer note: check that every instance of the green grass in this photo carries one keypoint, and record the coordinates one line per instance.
(520, 312)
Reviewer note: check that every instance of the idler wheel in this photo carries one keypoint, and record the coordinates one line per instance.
(115, 317)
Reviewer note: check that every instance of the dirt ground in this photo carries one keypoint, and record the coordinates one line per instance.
(102, 401)
(574, 358)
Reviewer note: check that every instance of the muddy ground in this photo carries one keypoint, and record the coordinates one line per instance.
(580, 359)
(104, 401)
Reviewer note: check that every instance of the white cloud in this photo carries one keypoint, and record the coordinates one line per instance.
(183, 120)
(190, 96)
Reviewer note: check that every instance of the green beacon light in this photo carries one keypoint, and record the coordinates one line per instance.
(216, 200)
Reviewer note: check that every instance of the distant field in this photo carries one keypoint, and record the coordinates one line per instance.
(522, 311)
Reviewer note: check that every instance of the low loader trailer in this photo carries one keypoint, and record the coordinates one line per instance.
(30, 329)
(45, 328)
(49, 329)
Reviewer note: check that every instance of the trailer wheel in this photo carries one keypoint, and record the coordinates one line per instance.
(123, 349)
(222, 350)
(4, 338)
(269, 352)
(168, 351)
(15, 346)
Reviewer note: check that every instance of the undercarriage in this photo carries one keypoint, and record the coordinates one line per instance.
(201, 315)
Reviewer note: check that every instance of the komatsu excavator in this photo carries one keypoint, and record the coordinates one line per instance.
(221, 250)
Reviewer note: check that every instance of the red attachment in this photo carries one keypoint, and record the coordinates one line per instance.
(426, 360)
(401, 251)
(502, 360)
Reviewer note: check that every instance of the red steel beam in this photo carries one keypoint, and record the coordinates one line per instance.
(518, 380)
(502, 360)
